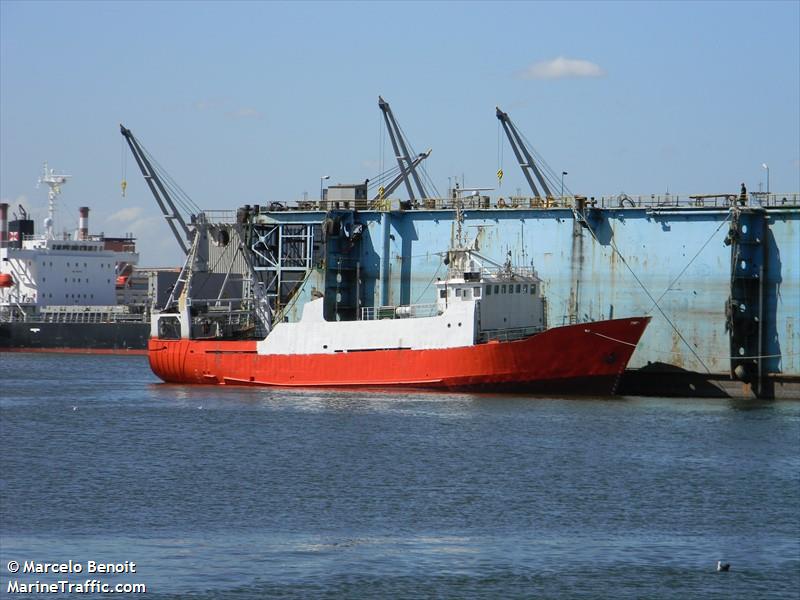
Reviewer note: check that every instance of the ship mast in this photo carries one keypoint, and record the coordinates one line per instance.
(54, 181)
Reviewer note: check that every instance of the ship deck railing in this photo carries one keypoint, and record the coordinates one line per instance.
(507, 335)
(497, 274)
(408, 311)
(75, 316)
(570, 202)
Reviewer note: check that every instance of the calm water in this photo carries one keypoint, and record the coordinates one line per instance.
(255, 493)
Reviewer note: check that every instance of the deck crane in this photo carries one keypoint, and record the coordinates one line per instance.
(402, 176)
(526, 162)
(406, 164)
(176, 223)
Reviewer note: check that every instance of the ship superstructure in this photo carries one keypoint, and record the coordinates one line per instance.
(62, 292)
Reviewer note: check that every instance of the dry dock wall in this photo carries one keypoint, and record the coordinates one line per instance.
(678, 255)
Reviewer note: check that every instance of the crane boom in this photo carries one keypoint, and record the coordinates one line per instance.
(402, 176)
(174, 219)
(527, 164)
(401, 152)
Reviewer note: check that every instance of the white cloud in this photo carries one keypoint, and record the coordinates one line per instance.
(562, 68)
(155, 243)
(126, 214)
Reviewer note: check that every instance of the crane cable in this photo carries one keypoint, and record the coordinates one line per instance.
(649, 295)
(123, 166)
(703, 247)
(499, 155)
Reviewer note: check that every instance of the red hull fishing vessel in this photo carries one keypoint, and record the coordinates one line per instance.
(578, 358)
(487, 330)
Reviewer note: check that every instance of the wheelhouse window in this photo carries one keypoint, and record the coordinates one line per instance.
(169, 328)
(442, 293)
(488, 290)
(503, 288)
(476, 292)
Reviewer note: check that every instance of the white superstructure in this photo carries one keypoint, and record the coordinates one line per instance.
(38, 271)
(61, 272)
(471, 307)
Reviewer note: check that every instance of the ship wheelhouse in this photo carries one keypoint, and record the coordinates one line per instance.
(508, 302)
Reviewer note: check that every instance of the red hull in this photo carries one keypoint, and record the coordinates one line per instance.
(588, 357)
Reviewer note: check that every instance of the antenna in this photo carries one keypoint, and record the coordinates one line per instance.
(54, 181)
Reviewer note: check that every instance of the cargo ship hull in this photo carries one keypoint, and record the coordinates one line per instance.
(582, 358)
(90, 338)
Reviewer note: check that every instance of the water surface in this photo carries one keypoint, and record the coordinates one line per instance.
(226, 492)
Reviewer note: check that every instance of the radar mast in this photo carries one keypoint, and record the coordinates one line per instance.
(54, 181)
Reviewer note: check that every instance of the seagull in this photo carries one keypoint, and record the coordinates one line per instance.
(721, 566)
(74, 408)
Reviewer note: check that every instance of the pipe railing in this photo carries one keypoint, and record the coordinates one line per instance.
(617, 201)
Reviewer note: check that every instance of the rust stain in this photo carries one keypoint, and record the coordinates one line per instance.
(677, 356)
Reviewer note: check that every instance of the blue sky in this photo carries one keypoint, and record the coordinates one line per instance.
(252, 102)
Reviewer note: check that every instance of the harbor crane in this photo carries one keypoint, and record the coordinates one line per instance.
(158, 187)
(404, 161)
(523, 155)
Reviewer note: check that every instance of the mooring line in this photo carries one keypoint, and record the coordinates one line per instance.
(608, 337)
(703, 247)
(649, 295)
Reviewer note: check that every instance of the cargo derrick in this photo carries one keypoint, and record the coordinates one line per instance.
(170, 212)
(404, 161)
